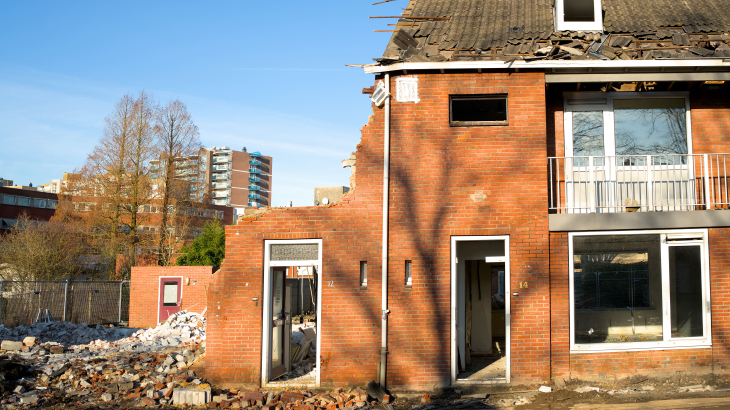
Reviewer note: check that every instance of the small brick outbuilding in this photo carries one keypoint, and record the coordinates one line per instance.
(156, 292)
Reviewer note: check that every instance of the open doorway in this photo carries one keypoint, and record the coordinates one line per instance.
(480, 309)
(291, 336)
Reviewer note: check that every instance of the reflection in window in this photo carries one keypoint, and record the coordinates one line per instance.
(587, 136)
(617, 289)
(685, 289)
(651, 126)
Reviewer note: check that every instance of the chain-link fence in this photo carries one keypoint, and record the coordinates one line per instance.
(90, 302)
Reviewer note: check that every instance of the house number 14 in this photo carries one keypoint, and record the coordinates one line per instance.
(523, 285)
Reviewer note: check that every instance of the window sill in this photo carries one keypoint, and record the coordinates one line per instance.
(479, 124)
(634, 348)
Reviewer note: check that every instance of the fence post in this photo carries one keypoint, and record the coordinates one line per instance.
(65, 301)
(2, 286)
(708, 180)
(121, 285)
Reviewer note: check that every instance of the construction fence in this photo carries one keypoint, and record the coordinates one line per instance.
(90, 302)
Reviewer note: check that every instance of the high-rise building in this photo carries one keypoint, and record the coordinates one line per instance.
(238, 179)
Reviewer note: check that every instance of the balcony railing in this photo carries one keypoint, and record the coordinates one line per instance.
(220, 167)
(254, 162)
(254, 188)
(255, 154)
(254, 171)
(252, 195)
(220, 159)
(254, 178)
(630, 183)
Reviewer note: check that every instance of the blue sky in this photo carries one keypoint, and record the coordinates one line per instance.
(269, 76)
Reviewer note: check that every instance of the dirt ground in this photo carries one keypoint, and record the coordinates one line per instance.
(633, 390)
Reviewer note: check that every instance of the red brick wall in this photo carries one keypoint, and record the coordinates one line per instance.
(144, 287)
(438, 174)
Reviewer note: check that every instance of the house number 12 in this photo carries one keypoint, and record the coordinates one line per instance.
(523, 285)
(331, 283)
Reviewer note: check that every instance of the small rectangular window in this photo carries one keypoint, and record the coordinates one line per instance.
(363, 273)
(23, 201)
(579, 10)
(471, 110)
(408, 273)
(8, 200)
(169, 295)
(39, 203)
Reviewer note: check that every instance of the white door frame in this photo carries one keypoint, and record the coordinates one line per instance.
(265, 334)
(454, 317)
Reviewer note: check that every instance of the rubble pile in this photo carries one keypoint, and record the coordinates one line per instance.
(141, 365)
(65, 333)
(294, 400)
(303, 351)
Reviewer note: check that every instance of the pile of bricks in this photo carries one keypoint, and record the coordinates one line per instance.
(295, 400)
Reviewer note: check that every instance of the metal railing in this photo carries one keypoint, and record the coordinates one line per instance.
(630, 183)
(90, 302)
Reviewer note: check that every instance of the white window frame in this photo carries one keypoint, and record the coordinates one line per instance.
(590, 101)
(562, 25)
(692, 236)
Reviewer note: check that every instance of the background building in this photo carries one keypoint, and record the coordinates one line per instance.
(238, 179)
(15, 201)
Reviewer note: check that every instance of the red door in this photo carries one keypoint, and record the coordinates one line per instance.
(170, 297)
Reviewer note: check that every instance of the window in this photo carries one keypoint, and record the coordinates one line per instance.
(626, 125)
(39, 203)
(639, 290)
(169, 295)
(363, 273)
(578, 15)
(408, 273)
(472, 110)
(9, 199)
(23, 201)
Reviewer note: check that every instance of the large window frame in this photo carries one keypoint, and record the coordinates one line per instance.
(591, 101)
(668, 238)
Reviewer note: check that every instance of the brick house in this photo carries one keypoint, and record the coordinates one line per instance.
(555, 205)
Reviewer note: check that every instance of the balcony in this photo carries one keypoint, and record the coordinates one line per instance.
(253, 195)
(218, 177)
(255, 154)
(220, 159)
(223, 202)
(254, 171)
(254, 178)
(254, 162)
(254, 188)
(220, 194)
(638, 183)
(220, 167)
(254, 204)
(220, 185)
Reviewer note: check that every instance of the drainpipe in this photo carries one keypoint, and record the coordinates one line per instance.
(386, 187)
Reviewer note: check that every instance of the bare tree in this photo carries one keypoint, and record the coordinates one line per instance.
(178, 141)
(40, 250)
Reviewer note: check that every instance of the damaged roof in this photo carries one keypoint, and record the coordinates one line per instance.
(508, 30)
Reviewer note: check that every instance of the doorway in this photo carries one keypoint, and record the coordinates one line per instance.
(169, 297)
(480, 309)
(292, 308)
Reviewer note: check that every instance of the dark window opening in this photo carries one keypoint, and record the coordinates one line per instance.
(363, 273)
(479, 110)
(578, 10)
(408, 273)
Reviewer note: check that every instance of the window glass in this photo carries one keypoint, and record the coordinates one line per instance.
(39, 203)
(650, 126)
(587, 136)
(23, 201)
(8, 200)
(617, 284)
(685, 288)
(470, 109)
(579, 10)
(169, 295)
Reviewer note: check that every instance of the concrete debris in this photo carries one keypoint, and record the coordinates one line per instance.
(545, 389)
(145, 365)
(586, 389)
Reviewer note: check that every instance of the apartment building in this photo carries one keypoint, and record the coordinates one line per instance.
(238, 179)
